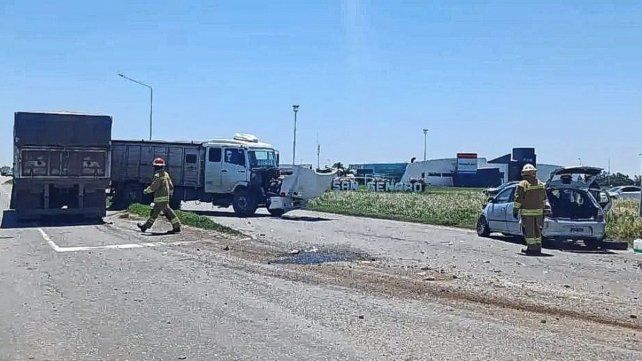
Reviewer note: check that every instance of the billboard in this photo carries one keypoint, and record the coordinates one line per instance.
(466, 162)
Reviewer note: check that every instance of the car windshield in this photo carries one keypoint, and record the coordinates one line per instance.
(262, 158)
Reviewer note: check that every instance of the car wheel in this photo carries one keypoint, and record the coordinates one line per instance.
(244, 203)
(593, 243)
(483, 230)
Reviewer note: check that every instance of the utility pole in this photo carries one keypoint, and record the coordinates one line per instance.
(295, 108)
(425, 143)
(151, 99)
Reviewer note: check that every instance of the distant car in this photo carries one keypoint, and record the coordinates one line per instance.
(625, 192)
(5, 171)
(573, 211)
(493, 191)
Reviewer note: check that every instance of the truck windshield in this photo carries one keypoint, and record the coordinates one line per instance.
(260, 158)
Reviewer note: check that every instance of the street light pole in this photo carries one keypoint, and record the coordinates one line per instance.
(640, 155)
(318, 153)
(425, 136)
(151, 99)
(295, 108)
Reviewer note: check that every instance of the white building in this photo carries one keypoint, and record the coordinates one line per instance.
(468, 170)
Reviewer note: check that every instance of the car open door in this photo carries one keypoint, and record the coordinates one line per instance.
(580, 177)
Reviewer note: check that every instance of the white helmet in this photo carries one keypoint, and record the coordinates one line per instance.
(529, 168)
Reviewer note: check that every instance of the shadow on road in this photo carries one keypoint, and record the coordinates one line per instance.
(566, 246)
(156, 234)
(259, 215)
(305, 218)
(537, 255)
(224, 214)
(10, 220)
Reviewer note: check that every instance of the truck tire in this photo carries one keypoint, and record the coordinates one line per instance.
(278, 212)
(133, 194)
(244, 203)
(12, 201)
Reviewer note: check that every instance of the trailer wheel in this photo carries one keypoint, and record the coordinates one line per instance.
(244, 203)
(175, 203)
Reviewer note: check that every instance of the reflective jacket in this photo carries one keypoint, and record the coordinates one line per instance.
(161, 186)
(530, 197)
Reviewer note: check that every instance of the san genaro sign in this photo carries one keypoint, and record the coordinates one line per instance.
(340, 184)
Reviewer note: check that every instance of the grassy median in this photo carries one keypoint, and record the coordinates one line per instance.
(452, 207)
(188, 219)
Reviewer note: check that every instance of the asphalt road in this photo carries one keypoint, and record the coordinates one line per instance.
(107, 292)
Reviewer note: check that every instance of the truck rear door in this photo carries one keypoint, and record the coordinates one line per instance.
(192, 167)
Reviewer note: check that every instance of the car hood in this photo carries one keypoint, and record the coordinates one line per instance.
(305, 183)
(582, 177)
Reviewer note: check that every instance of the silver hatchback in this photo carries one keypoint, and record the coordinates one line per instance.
(573, 212)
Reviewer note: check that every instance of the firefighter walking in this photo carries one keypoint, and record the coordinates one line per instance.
(530, 201)
(162, 188)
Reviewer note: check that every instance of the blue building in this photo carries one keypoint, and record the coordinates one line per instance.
(392, 171)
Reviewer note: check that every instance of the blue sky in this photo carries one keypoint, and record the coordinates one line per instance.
(369, 75)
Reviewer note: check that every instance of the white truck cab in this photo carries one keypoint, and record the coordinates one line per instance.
(229, 162)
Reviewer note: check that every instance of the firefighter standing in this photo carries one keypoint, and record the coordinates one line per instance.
(162, 188)
(530, 201)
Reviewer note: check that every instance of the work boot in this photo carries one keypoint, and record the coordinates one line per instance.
(142, 227)
(175, 230)
(532, 250)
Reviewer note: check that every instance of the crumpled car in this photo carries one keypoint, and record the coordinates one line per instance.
(575, 210)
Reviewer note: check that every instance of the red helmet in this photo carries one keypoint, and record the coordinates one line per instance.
(159, 162)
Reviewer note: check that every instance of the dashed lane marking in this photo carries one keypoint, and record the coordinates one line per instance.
(59, 249)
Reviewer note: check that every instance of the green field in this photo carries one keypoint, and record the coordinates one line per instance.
(454, 207)
(441, 206)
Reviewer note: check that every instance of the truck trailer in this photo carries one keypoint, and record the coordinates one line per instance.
(61, 164)
(241, 172)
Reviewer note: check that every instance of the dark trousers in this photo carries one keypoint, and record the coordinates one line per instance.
(167, 211)
(532, 230)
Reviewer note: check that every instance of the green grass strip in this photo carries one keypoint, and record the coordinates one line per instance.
(187, 218)
(446, 207)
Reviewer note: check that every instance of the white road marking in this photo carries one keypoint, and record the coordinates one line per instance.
(59, 249)
(48, 239)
